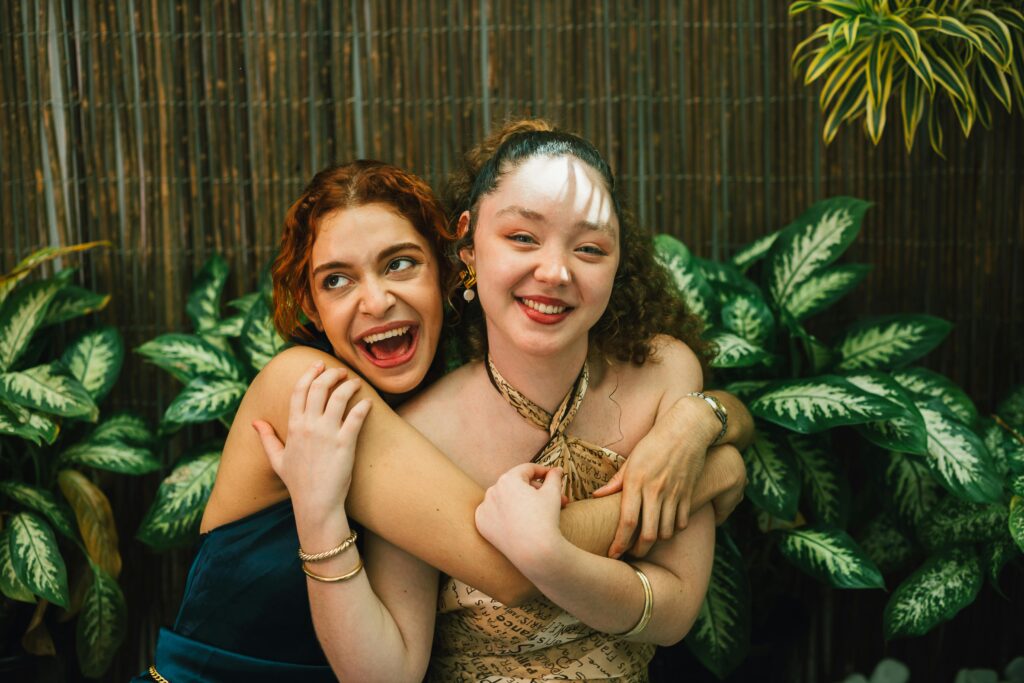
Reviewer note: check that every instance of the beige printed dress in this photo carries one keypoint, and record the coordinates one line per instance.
(478, 638)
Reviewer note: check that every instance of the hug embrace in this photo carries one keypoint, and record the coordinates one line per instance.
(546, 511)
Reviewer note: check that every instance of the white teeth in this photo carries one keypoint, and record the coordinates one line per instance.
(544, 308)
(374, 338)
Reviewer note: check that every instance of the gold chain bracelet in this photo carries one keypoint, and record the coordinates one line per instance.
(156, 676)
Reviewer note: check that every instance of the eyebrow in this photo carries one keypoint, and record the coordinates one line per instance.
(385, 253)
(531, 215)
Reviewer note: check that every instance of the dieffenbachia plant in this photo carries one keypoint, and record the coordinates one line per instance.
(51, 436)
(215, 363)
(950, 482)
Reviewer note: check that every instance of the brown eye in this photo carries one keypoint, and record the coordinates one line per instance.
(400, 264)
(335, 281)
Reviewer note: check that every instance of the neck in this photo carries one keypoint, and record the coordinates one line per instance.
(546, 379)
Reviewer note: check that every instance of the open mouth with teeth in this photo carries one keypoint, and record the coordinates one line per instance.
(391, 347)
(543, 312)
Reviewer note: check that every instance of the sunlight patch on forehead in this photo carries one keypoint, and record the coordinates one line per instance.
(568, 179)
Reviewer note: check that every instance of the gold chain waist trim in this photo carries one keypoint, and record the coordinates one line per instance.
(156, 675)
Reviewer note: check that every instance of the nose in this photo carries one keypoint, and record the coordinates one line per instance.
(553, 268)
(376, 298)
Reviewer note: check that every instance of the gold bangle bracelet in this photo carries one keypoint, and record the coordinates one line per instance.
(334, 579)
(645, 618)
(328, 554)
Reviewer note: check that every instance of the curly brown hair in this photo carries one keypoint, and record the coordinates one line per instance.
(643, 304)
(356, 183)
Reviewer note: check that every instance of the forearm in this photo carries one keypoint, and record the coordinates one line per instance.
(740, 429)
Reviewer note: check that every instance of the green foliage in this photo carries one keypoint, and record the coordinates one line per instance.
(50, 424)
(215, 363)
(960, 55)
(938, 481)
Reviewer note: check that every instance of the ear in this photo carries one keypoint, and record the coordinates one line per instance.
(467, 256)
(463, 226)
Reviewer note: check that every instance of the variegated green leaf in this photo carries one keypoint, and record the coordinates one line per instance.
(111, 456)
(73, 302)
(21, 315)
(36, 558)
(123, 428)
(9, 280)
(735, 351)
(812, 242)
(1017, 485)
(685, 274)
(889, 342)
(821, 477)
(748, 316)
(260, 340)
(10, 584)
(174, 516)
(1016, 521)
(995, 555)
(228, 327)
(187, 356)
(724, 275)
(95, 360)
(747, 389)
(819, 403)
(101, 625)
(885, 544)
(831, 556)
(203, 305)
(818, 356)
(925, 383)
(820, 291)
(720, 637)
(243, 303)
(955, 521)
(27, 424)
(1011, 409)
(958, 458)
(47, 388)
(905, 432)
(95, 519)
(39, 500)
(205, 399)
(911, 486)
(755, 251)
(946, 583)
(773, 481)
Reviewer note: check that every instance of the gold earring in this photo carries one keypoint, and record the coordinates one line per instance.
(468, 277)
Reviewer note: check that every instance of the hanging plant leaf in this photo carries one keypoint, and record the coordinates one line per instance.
(48, 389)
(955, 521)
(927, 384)
(946, 583)
(747, 316)
(735, 351)
(260, 340)
(755, 251)
(123, 428)
(831, 556)
(21, 315)
(205, 399)
(10, 584)
(912, 488)
(720, 637)
(42, 501)
(101, 625)
(187, 356)
(889, 342)
(905, 433)
(111, 456)
(958, 458)
(95, 360)
(1011, 409)
(885, 544)
(812, 242)
(773, 481)
(1016, 521)
(36, 559)
(95, 520)
(820, 403)
(822, 479)
(174, 517)
(820, 291)
(203, 305)
(73, 302)
(19, 421)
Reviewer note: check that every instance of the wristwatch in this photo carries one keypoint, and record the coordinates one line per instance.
(720, 412)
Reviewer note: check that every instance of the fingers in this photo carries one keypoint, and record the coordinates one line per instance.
(530, 472)
(667, 522)
(553, 481)
(614, 484)
(320, 389)
(339, 399)
(272, 445)
(649, 514)
(354, 420)
(298, 401)
(629, 514)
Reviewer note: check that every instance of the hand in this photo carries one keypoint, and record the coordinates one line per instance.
(517, 516)
(726, 468)
(316, 464)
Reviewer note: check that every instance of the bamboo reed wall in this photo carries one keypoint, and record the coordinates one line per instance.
(177, 129)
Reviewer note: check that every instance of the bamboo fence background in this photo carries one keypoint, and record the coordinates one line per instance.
(180, 128)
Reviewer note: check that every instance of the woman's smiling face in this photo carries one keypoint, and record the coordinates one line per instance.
(546, 249)
(376, 292)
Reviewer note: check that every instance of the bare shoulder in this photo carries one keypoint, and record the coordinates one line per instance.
(433, 405)
(672, 363)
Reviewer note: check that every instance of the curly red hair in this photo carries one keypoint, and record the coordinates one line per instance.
(356, 183)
